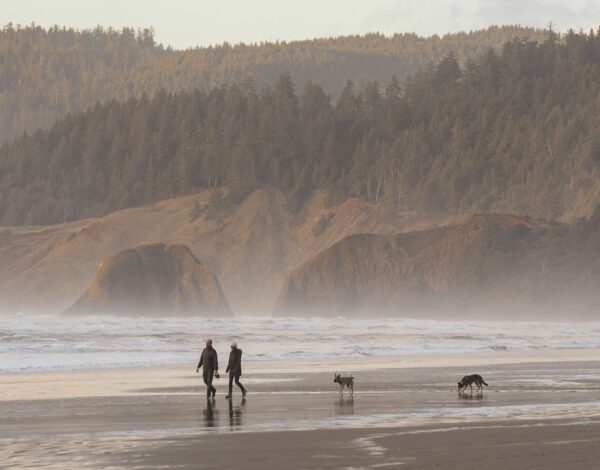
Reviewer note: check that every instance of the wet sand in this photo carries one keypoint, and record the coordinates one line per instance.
(538, 412)
(494, 446)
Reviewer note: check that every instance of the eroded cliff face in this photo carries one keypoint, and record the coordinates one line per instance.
(154, 279)
(318, 261)
(250, 247)
(491, 265)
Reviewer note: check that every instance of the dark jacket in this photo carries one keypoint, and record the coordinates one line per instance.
(235, 361)
(208, 359)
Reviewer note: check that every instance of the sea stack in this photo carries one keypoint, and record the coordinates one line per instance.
(153, 280)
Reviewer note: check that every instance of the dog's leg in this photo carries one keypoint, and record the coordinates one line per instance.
(341, 390)
(351, 390)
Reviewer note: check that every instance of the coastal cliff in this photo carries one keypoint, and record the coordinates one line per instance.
(491, 263)
(155, 279)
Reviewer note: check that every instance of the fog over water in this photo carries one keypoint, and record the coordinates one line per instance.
(49, 343)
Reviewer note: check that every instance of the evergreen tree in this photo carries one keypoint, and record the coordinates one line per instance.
(515, 131)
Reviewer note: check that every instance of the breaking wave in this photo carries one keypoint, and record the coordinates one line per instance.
(45, 343)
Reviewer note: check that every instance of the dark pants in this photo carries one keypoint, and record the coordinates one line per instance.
(235, 375)
(207, 376)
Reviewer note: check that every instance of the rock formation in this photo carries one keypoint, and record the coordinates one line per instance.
(251, 247)
(155, 279)
(491, 264)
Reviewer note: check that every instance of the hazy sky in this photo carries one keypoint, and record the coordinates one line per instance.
(186, 23)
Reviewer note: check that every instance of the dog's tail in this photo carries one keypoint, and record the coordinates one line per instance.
(483, 382)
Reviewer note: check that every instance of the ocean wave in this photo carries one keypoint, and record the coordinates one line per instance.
(34, 343)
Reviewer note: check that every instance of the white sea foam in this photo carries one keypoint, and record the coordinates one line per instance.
(43, 343)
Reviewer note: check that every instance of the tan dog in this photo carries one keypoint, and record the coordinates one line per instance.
(347, 382)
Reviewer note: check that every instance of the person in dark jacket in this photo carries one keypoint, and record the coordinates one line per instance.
(234, 367)
(210, 368)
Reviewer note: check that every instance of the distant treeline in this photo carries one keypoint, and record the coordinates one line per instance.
(515, 131)
(45, 74)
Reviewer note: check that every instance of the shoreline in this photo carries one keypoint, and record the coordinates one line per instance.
(403, 413)
(84, 382)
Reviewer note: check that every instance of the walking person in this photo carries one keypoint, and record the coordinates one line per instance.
(234, 367)
(210, 368)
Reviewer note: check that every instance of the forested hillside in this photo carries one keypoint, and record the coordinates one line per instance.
(45, 74)
(516, 131)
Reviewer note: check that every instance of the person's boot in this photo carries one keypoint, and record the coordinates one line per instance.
(243, 393)
(228, 397)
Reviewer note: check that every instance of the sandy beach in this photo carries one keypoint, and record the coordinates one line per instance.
(541, 410)
(398, 197)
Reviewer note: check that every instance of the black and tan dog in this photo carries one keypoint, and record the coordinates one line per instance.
(469, 380)
(347, 382)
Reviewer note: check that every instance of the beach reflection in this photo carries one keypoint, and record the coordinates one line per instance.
(211, 415)
(470, 396)
(343, 407)
(235, 414)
